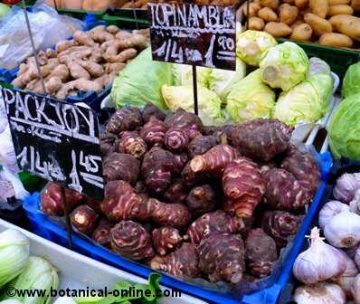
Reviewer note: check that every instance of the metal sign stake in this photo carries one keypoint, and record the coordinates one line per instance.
(135, 14)
(196, 110)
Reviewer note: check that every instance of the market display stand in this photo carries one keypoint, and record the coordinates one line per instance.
(79, 272)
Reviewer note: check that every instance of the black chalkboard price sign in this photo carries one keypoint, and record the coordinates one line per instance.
(188, 33)
(56, 141)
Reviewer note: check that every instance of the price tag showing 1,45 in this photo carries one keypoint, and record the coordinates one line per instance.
(200, 35)
(55, 140)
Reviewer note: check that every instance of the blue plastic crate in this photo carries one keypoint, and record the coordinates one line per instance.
(92, 99)
(46, 228)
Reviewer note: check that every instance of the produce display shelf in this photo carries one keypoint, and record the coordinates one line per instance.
(339, 167)
(271, 287)
(80, 272)
(337, 58)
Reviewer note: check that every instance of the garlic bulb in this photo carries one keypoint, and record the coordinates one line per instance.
(329, 210)
(355, 289)
(322, 293)
(346, 284)
(357, 257)
(346, 187)
(319, 262)
(343, 230)
(355, 203)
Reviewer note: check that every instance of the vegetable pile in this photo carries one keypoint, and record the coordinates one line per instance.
(328, 22)
(88, 62)
(331, 271)
(198, 202)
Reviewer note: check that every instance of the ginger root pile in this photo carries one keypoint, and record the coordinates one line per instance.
(88, 62)
(217, 203)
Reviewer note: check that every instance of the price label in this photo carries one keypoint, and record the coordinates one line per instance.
(56, 141)
(187, 33)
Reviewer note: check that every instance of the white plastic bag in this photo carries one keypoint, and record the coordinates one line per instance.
(47, 27)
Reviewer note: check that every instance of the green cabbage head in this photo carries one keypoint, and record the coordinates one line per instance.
(351, 83)
(251, 46)
(249, 99)
(344, 129)
(209, 103)
(183, 75)
(284, 66)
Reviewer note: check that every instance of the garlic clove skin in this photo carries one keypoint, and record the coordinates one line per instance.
(357, 257)
(346, 187)
(329, 210)
(355, 203)
(355, 289)
(320, 262)
(343, 230)
(321, 293)
(346, 284)
(351, 269)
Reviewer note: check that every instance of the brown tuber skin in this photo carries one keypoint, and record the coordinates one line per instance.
(201, 144)
(176, 193)
(166, 239)
(176, 139)
(125, 119)
(243, 187)
(152, 110)
(221, 257)
(183, 120)
(214, 160)
(84, 219)
(107, 144)
(281, 225)
(261, 139)
(183, 262)
(131, 142)
(153, 132)
(284, 192)
(217, 221)
(51, 203)
(304, 167)
(101, 233)
(120, 166)
(201, 199)
(260, 253)
(131, 240)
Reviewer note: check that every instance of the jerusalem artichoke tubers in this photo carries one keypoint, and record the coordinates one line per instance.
(153, 132)
(84, 219)
(131, 142)
(176, 139)
(152, 110)
(125, 119)
(101, 233)
(201, 144)
(166, 239)
(201, 199)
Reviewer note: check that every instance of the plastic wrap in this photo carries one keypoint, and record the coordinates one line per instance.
(47, 26)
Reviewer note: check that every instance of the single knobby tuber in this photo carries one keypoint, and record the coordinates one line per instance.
(125, 119)
(201, 199)
(243, 187)
(176, 193)
(214, 160)
(183, 262)
(180, 161)
(153, 132)
(222, 257)
(176, 139)
(131, 240)
(281, 225)
(84, 219)
(211, 222)
(260, 253)
(121, 166)
(166, 239)
(201, 144)
(152, 110)
(107, 143)
(284, 191)
(101, 234)
(131, 142)
(261, 139)
(184, 120)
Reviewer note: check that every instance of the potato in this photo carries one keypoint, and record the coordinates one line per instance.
(319, 25)
(335, 39)
(297, 22)
(348, 25)
(253, 9)
(256, 23)
(319, 7)
(340, 9)
(301, 4)
(336, 2)
(302, 32)
(288, 13)
(288, 1)
(355, 4)
(278, 29)
(273, 4)
(267, 14)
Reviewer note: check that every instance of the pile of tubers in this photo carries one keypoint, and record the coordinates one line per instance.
(88, 62)
(328, 22)
(195, 201)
